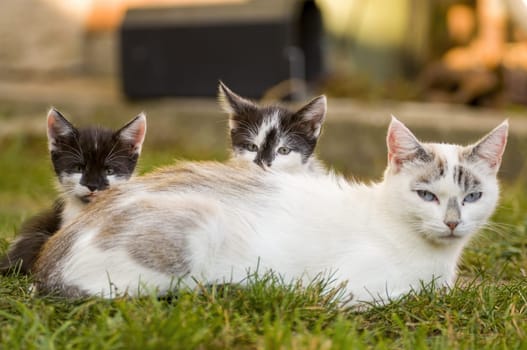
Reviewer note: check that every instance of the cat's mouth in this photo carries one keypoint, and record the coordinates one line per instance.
(450, 236)
(88, 197)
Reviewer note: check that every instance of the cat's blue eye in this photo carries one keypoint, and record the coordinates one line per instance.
(251, 147)
(284, 150)
(472, 197)
(427, 196)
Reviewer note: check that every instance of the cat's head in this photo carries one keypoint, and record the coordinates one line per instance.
(88, 160)
(273, 136)
(445, 192)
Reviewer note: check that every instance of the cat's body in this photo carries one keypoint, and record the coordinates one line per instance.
(216, 223)
(86, 161)
(273, 136)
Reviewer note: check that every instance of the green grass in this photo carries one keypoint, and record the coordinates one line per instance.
(487, 309)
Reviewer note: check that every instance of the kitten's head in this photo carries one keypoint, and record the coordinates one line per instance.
(273, 136)
(88, 160)
(446, 192)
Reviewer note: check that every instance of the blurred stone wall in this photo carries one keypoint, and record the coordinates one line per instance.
(40, 36)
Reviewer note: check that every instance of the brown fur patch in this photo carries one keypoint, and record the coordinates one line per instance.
(432, 170)
(148, 244)
(465, 179)
(234, 177)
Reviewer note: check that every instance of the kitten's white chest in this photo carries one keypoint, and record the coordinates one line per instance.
(72, 208)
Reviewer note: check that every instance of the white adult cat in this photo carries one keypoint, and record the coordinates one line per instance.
(214, 222)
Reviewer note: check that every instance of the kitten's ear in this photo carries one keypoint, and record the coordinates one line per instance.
(58, 126)
(490, 148)
(134, 132)
(403, 146)
(313, 115)
(234, 105)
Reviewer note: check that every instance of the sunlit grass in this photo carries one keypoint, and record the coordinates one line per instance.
(487, 309)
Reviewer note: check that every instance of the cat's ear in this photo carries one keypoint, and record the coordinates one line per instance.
(58, 126)
(312, 115)
(403, 146)
(134, 132)
(490, 148)
(233, 104)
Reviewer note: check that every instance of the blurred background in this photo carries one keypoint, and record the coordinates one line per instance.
(470, 52)
(451, 70)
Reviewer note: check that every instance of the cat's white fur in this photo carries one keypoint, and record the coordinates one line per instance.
(382, 240)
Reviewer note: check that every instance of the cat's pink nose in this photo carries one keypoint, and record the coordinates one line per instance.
(452, 224)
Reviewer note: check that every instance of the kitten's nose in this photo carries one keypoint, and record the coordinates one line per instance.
(92, 188)
(258, 162)
(452, 224)
(263, 163)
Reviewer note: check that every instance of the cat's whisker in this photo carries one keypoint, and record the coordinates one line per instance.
(77, 144)
(500, 229)
(72, 149)
(243, 124)
(72, 157)
(111, 151)
(117, 157)
(501, 224)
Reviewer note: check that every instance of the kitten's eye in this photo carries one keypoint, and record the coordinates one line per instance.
(284, 150)
(251, 147)
(427, 196)
(110, 171)
(472, 197)
(79, 168)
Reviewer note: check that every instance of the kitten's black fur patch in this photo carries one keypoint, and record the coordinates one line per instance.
(93, 151)
(267, 151)
(32, 236)
(298, 131)
(290, 129)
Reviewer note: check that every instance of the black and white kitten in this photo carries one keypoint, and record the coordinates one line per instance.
(86, 161)
(273, 136)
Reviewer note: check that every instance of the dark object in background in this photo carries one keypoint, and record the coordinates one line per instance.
(251, 46)
(310, 36)
(474, 87)
(515, 85)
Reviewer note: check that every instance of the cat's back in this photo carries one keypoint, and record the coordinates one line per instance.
(222, 181)
(241, 183)
(241, 178)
